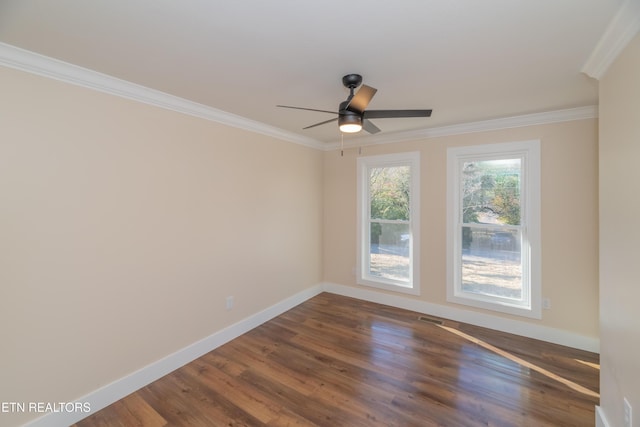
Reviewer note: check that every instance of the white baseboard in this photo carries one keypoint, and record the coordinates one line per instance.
(527, 329)
(118, 389)
(601, 420)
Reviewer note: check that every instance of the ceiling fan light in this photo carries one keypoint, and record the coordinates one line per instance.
(350, 123)
(350, 128)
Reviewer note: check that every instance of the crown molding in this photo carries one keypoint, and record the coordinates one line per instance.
(34, 63)
(580, 113)
(622, 28)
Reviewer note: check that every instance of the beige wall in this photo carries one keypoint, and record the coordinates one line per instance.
(620, 235)
(569, 218)
(123, 227)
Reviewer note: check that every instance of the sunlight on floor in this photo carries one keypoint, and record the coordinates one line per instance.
(522, 362)
(590, 364)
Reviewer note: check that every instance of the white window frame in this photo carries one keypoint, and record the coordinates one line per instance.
(529, 153)
(364, 165)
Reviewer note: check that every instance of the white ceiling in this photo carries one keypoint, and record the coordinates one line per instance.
(468, 60)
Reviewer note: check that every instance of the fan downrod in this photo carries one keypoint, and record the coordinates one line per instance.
(352, 81)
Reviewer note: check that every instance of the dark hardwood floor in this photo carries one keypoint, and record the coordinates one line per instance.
(338, 361)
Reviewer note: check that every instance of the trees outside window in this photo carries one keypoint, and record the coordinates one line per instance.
(388, 218)
(493, 233)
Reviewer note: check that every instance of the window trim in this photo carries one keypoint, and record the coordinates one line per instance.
(529, 152)
(364, 165)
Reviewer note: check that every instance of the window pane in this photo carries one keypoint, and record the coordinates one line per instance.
(491, 262)
(389, 251)
(491, 192)
(389, 193)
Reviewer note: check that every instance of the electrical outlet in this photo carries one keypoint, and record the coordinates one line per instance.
(546, 303)
(628, 422)
(229, 303)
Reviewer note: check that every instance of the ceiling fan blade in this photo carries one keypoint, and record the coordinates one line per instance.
(307, 109)
(370, 127)
(361, 99)
(321, 123)
(390, 114)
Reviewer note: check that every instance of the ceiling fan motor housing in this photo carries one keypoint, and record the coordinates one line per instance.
(348, 117)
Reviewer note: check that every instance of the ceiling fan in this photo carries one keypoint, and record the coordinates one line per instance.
(352, 113)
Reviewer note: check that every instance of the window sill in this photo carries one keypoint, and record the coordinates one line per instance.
(533, 312)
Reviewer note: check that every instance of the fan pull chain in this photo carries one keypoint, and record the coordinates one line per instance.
(342, 145)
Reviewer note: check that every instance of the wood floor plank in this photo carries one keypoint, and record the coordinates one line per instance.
(339, 361)
(132, 411)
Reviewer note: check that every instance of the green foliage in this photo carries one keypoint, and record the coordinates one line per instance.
(389, 192)
(506, 199)
(490, 189)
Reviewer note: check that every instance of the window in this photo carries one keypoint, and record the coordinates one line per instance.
(493, 235)
(388, 222)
